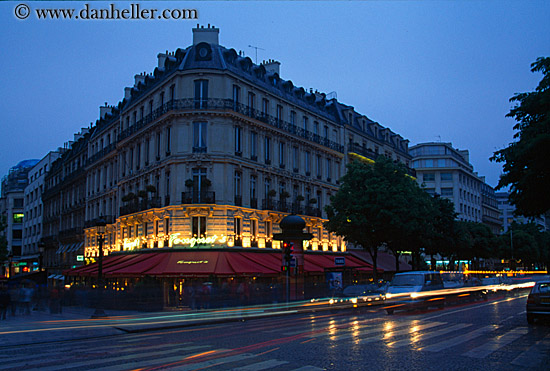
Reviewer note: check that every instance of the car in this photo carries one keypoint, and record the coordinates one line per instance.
(538, 301)
(405, 288)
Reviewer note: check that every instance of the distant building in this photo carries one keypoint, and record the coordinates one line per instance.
(64, 204)
(12, 195)
(447, 171)
(490, 213)
(507, 213)
(33, 210)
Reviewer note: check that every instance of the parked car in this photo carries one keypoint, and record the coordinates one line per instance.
(538, 301)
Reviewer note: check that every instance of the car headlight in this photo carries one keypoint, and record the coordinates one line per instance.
(354, 300)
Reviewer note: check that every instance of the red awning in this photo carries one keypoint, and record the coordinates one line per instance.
(137, 266)
(215, 262)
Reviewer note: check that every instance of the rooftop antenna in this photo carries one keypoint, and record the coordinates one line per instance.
(438, 138)
(256, 47)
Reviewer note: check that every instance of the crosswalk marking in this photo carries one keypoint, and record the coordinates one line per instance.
(458, 339)
(496, 343)
(415, 338)
(261, 365)
(535, 355)
(389, 335)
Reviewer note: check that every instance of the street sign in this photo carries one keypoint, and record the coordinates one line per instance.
(340, 260)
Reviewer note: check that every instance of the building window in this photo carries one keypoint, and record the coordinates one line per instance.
(315, 128)
(254, 228)
(429, 177)
(253, 196)
(238, 189)
(147, 150)
(267, 150)
(238, 149)
(168, 140)
(267, 187)
(237, 227)
(282, 154)
(251, 101)
(198, 226)
(292, 118)
(158, 145)
(308, 163)
(199, 136)
(166, 226)
(265, 107)
(236, 96)
(201, 93)
(295, 159)
(305, 124)
(318, 166)
(268, 229)
(329, 169)
(253, 145)
(145, 227)
(447, 192)
(279, 113)
(446, 177)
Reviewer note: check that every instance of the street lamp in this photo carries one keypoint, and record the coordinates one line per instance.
(100, 230)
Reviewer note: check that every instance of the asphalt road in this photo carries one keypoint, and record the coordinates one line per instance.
(483, 335)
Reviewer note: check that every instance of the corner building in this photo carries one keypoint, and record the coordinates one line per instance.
(212, 151)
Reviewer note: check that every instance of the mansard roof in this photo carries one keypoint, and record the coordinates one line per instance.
(216, 57)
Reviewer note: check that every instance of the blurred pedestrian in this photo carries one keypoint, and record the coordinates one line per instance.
(14, 300)
(25, 297)
(4, 301)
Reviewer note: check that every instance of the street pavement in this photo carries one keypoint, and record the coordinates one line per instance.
(75, 323)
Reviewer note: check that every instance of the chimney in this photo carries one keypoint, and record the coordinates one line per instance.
(139, 78)
(104, 110)
(161, 59)
(208, 35)
(127, 93)
(272, 66)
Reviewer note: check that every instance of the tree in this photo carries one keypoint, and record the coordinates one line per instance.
(526, 162)
(475, 241)
(374, 203)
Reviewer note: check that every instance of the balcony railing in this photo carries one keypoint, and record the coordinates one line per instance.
(229, 104)
(140, 205)
(203, 197)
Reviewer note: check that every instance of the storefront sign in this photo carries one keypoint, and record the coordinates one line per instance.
(130, 245)
(340, 261)
(192, 262)
(80, 258)
(191, 242)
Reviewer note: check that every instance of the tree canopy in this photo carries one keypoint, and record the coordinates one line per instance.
(526, 162)
(379, 204)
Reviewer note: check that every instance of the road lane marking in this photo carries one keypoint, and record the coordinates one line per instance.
(498, 342)
(459, 339)
(445, 313)
(126, 359)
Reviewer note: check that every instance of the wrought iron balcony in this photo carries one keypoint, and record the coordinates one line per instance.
(196, 197)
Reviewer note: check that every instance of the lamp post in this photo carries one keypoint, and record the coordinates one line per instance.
(100, 230)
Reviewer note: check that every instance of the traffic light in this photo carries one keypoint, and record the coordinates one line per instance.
(288, 248)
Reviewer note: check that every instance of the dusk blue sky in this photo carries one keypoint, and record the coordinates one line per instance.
(428, 70)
